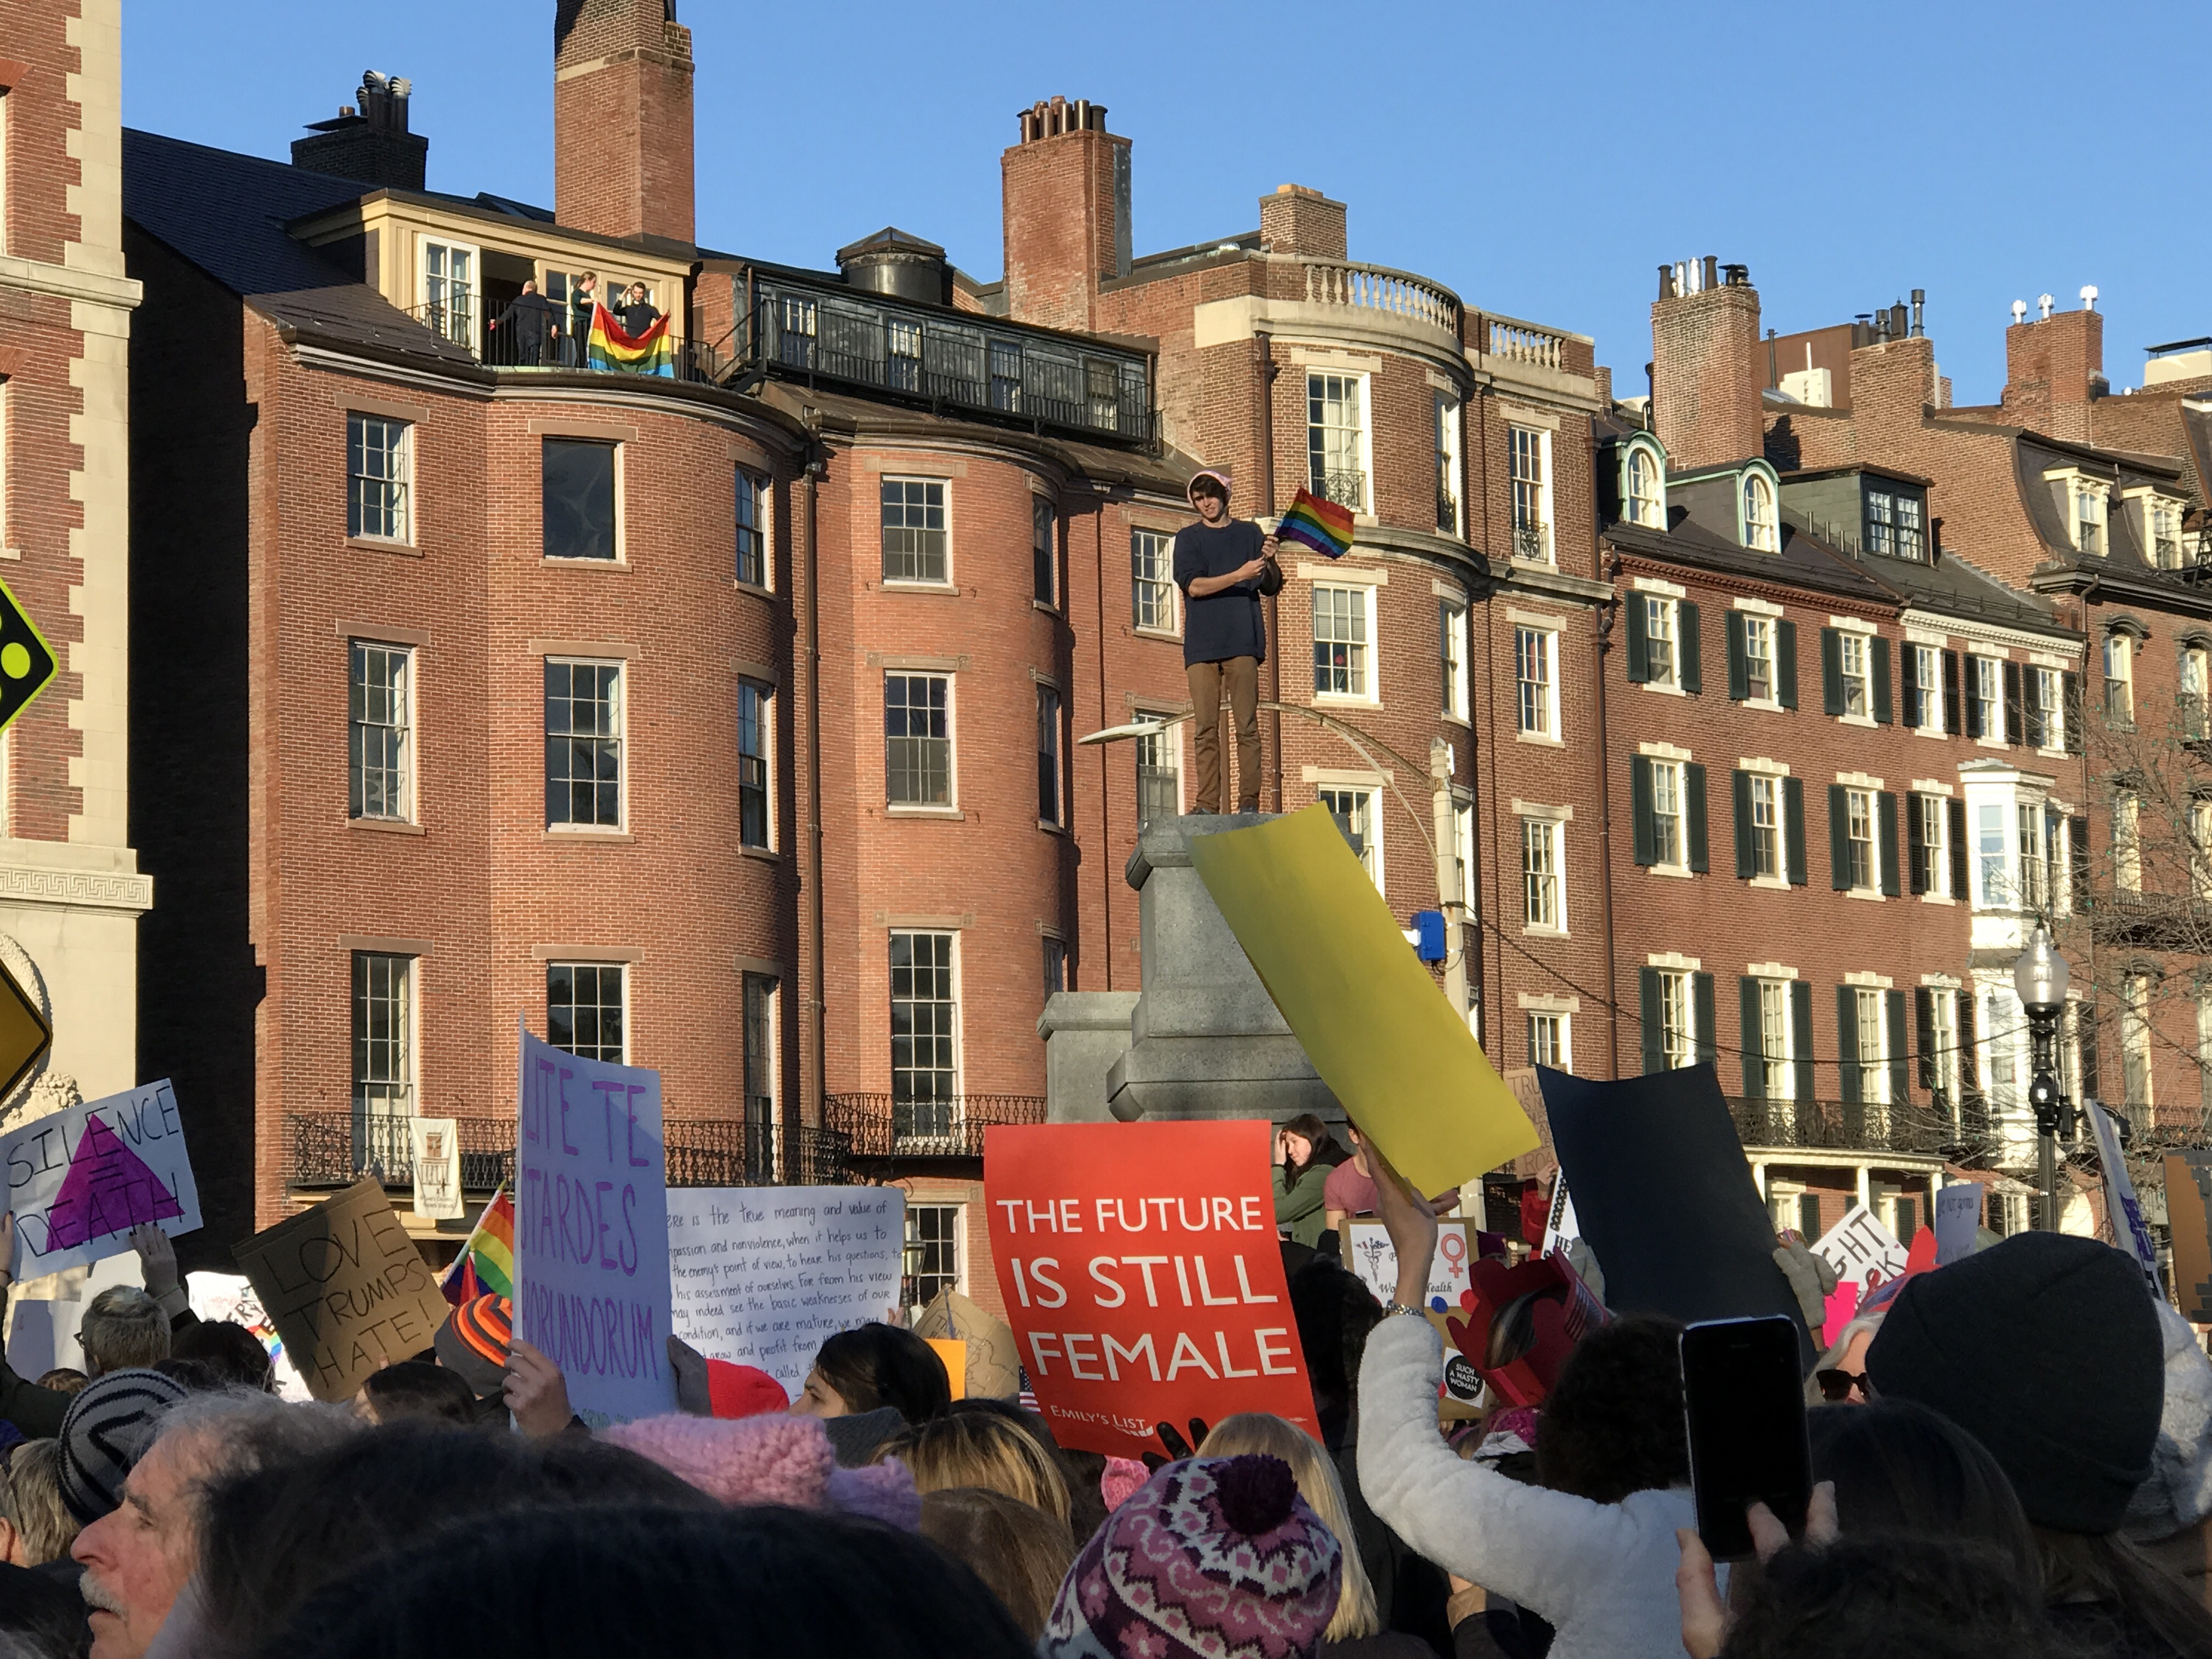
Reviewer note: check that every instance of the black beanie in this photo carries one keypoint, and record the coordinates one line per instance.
(2046, 1350)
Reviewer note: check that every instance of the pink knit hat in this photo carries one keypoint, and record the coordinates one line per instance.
(771, 1460)
(1218, 474)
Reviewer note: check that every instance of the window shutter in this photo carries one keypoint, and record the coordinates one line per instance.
(1954, 713)
(1647, 984)
(2069, 694)
(2014, 720)
(1693, 809)
(1785, 664)
(1878, 652)
(1701, 997)
(1831, 672)
(1738, 660)
(1970, 1077)
(1847, 1044)
(1639, 641)
(1839, 840)
(1793, 830)
(1801, 1036)
(1916, 695)
(1691, 647)
(1915, 847)
(1639, 809)
(1740, 788)
(1886, 828)
(1900, 1090)
(1962, 871)
(1923, 1015)
(2085, 1029)
(1754, 1037)
(2077, 842)
(1973, 707)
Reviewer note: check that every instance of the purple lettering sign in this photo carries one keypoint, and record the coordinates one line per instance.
(80, 1180)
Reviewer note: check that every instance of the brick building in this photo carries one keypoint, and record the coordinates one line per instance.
(71, 889)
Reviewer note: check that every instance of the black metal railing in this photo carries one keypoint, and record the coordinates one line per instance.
(885, 1126)
(1344, 488)
(546, 340)
(1843, 1126)
(1533, 541)
(335, 1149)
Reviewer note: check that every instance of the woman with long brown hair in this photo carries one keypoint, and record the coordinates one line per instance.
(1305, 1153)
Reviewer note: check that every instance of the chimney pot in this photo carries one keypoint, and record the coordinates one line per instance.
(1712, 276)
(2088, 296)
(2044, 302)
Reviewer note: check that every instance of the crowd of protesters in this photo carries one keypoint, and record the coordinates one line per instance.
(2013, 1456)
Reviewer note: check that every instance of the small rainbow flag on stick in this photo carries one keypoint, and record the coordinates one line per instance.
(485, 1266)
(1323, 526)
(613, 347)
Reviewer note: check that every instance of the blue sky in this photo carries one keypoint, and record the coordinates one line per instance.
(1540, 160)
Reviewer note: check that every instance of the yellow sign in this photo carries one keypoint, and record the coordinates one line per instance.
(28, 662)
(1371, 1018)
(24, 1033)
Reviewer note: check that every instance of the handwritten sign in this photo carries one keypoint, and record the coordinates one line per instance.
(1142, 1276)
(80, 1180)
(437, 1149)
(1374, 1261)
(591, 1232)
(1958, 1219)
(345, 1287)
(761, 1275)
(1862, 1250)
(2122, 1208)
(230, 1298)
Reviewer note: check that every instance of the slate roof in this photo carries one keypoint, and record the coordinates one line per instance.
(1804, 561)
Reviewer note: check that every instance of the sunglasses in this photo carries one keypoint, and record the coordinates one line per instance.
(1836, 1386)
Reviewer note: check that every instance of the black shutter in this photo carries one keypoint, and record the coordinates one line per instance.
(1739, 659)
(1916, 695)
(1793, 830)
(1693, 809)
(2014, 723)
(1954, 713)
(1878, 649)
(2069, 701)
(1701, 998)
(1639, 642)
(1754, 1037)
(1831, 672)
(1899, 1089)
(1886, 825)
(1962, 870)
(2085, 1028)
(1973, 706)
(1648, 985)
(1915, 847)
(1740, 789)
(1785, 663)
(1639, 809)
(1971, 1113)
(2077, 840)
(1923, 1015)
(1847, 1044)
(1801, 1036)
(1839, 839)
(1690, 646)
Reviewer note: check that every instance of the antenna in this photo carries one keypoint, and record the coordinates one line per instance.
(2045, 302)
(2088, 296)
(2019, 312)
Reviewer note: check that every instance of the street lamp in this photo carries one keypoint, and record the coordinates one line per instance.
(2040, 978)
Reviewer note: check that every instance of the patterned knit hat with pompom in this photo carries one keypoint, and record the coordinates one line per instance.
(1212, 1559)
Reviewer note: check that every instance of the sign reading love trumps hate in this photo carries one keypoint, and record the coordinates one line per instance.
(80, 1180)
(1143, 1277)
(591, 1231)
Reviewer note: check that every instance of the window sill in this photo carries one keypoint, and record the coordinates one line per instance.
(1772, 705)
(1345, 699)
(1450, 719)
(1679, 872)
(1866, 721)
(1050, 828)
(387, 826)
(753, 588)
(2063, 753)
(1772, 884)
(1940, 734)
(1990, 743)
(378, 544)
(583, 564)
(1154, 633)
(1937, 898)
(945, 814)
(1872, 895)
(943, 590)
(1045, 606)
(1539, 739)
(1664, 688)
(765, 855)
(1521, 563)
(563, 832)
(1545, 932)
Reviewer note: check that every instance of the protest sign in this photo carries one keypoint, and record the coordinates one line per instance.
(2189, 1219)
(994, 1362)
(1374, 1261)
(1560, 1227)
(591, 1231)
(761, 1275)
(230, 1298)
(1397, 1055)
(952, 1352)
(2121, 1205)
(1143, 1277)
(1958, 1217)
(437, 1149)
(1862, 1250)
(80, 1180)
(345, 1287)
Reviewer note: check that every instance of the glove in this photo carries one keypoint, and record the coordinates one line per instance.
(1811, 1279)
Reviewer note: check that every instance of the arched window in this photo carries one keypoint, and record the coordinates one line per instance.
(1644, 503)
(1759, 526)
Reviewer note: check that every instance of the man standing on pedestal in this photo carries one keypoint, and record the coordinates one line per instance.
(1220, 564)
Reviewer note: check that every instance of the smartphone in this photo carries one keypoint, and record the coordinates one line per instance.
(1743, 1395)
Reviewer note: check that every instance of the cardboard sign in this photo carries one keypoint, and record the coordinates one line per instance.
(1958, 1217)
(2189, 1219)
(994, 1362)
(345, 1287)
(1862, 1251)
(1399, 1056)
(1373, 1260)
(763, 1275)
(80, 1180)
(2121, 1205)
(437, 1149)
(591, 1232)
(1143, 1277)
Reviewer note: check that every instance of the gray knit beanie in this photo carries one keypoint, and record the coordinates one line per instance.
(111, 1422)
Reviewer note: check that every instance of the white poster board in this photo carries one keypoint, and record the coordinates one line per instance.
(1957, 1221)
(760, 1275)
(80, 1180)
(231, 1297)
(2122, 1207)
(437, 1149)
(1862, 1251)
(1374, 1261)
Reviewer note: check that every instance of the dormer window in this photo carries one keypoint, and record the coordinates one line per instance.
(2158, 523)
(1895, 523)
(2088, 516)
(1643, 484)
(1759, 528)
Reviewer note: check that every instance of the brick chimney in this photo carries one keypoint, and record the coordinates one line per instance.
(622, 119)
(1297, 220)
(2053, 367)
(1708, 364)
(1065, 186)
(369, 140)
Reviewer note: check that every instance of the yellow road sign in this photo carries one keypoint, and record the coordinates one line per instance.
(24, 1033)
(28, 662)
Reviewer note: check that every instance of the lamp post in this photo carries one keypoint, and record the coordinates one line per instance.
(2040, 977)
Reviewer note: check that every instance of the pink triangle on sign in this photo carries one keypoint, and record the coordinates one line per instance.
(109, 1189)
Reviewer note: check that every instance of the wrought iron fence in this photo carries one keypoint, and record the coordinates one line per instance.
(1533, 541)
(1843, 1126)
(1344, 488)
(883, 1127)
(552, 343)
(334, 1149)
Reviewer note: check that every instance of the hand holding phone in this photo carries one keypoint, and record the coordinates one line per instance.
(1743, 1396)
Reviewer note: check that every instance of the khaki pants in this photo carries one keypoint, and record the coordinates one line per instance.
(1241, 677)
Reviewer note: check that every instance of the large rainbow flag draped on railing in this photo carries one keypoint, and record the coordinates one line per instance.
(485, 1266)
(1323, 526)
(613, 347)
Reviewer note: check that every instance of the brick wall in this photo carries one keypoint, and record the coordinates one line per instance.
(1059, 218)
(2050, 364)
(1708, 367)
(622, 119)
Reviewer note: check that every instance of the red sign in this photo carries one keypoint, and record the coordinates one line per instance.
(1143, 1277)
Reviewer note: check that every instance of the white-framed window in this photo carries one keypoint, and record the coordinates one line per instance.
(1644, 491)
(1551, 1039)
(1354, 808)
(1159, 769)
(1661, 642)
(2135, 1039)
(1758, 658)
(2042, 712)
(1678, 1032)
(379, 454)
(2192, 682)
(1450, 488)
(1872, 1032)
(1928, 677)
(450, 288)
(580, 499)
(755, 764)
(925, 1034)
(1152, 582)
(384, 1043)
(1767, 851)
(1529, 468)
(763, 1075)
(1669, 846)
(1050, 807)
(1911, 537)
(1893, 524)
(2162, 530)
(1851, 656)
(1543, 897)
(2200, 848)
(1463, 850)
(1986, 687)
(587, 1009)
(2120, 680)
(1535, 685)
(1943, 1043)
(380, 729)
(2088, 516)
(2004, 1026)
(916, 539)
(1932, 844)
(917, 739)
(751, 494)
(1451, 657)
(1761, 530)
(1777, 1075)
(1989, 859)
(584, 733)
(1344, 631)
(1337, 438)
(1859, 840)
(2034, 885)
(2127, 840)
(933, 1245)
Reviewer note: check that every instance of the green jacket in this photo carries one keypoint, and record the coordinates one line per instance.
(1298, 1204)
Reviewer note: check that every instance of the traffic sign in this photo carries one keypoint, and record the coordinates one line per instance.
(25, 1033)
(28, 665)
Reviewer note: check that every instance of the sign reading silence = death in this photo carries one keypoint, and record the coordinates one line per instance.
(80, 1180)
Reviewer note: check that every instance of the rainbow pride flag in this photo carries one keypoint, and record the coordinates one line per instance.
(1323, 526)
(485, 1266)
(613, 347)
